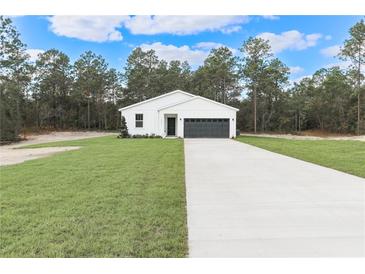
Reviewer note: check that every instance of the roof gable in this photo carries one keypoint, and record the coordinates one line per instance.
(156, 98)
(199, 98)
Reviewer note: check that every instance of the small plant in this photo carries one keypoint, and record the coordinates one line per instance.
(146, 136)
(154, 136)
(137, 136)
(123, 129)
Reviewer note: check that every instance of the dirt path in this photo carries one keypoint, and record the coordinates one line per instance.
(11, 154)
(299, 137)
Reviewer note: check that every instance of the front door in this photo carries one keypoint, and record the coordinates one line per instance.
(171, 126)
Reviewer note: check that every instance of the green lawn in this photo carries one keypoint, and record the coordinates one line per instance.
(346, 156)
(111, 198)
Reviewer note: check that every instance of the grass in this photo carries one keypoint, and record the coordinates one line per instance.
(346, 156)
(111, 198)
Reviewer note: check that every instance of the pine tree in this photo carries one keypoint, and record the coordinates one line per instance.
(14, 78)
(354, 50)
(124, 129)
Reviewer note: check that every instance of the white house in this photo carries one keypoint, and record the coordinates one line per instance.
(181, 114)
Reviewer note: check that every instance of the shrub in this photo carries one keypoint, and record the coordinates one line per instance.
(146, 136)
(138, 136)
(155, 136)
(123, 129)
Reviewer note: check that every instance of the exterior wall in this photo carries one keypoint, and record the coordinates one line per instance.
(199, 108)
(150, 114)
(149, 121)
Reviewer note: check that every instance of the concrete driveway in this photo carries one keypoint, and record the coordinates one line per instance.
(243, 201)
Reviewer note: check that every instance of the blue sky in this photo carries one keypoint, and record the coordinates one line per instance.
(304, 43)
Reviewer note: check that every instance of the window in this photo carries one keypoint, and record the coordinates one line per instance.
(139, 120)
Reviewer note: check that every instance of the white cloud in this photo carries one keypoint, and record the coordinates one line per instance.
(231, 29)
(195, 54)
(208, 45)
(182, 25)
(106, 28)
(341, 64)
(331, 51)
(293, 40)
(88, 28)
(297, 80)
(328, 37)
(271, 17)
(212, 45)
(33, 53)
(296, 69)
(171, 52)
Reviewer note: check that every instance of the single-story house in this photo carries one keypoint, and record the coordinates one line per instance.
(181, 114)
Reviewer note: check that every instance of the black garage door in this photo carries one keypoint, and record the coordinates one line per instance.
(206, 128)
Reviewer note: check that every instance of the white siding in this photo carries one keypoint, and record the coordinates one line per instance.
(150, 113)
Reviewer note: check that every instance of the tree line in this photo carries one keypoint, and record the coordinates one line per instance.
(54, 93)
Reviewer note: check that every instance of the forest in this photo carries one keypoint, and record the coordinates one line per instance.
(54, 93)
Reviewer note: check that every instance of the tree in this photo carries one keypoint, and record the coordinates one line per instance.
(265, 79)
(177, 76)
(220, 75)
(140, 75)
(272, 93)
(185, 76)
(256, 57)
(53, 83)
(123, 129)
(90, 86)
(337, 95)
(298, 100)
(113, 95)
(324, 101)
(146, 76)
(354, 50)
(15, 72)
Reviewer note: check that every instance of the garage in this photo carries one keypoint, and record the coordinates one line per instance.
(206, 128)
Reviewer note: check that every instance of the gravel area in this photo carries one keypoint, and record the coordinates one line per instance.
(11, 154)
